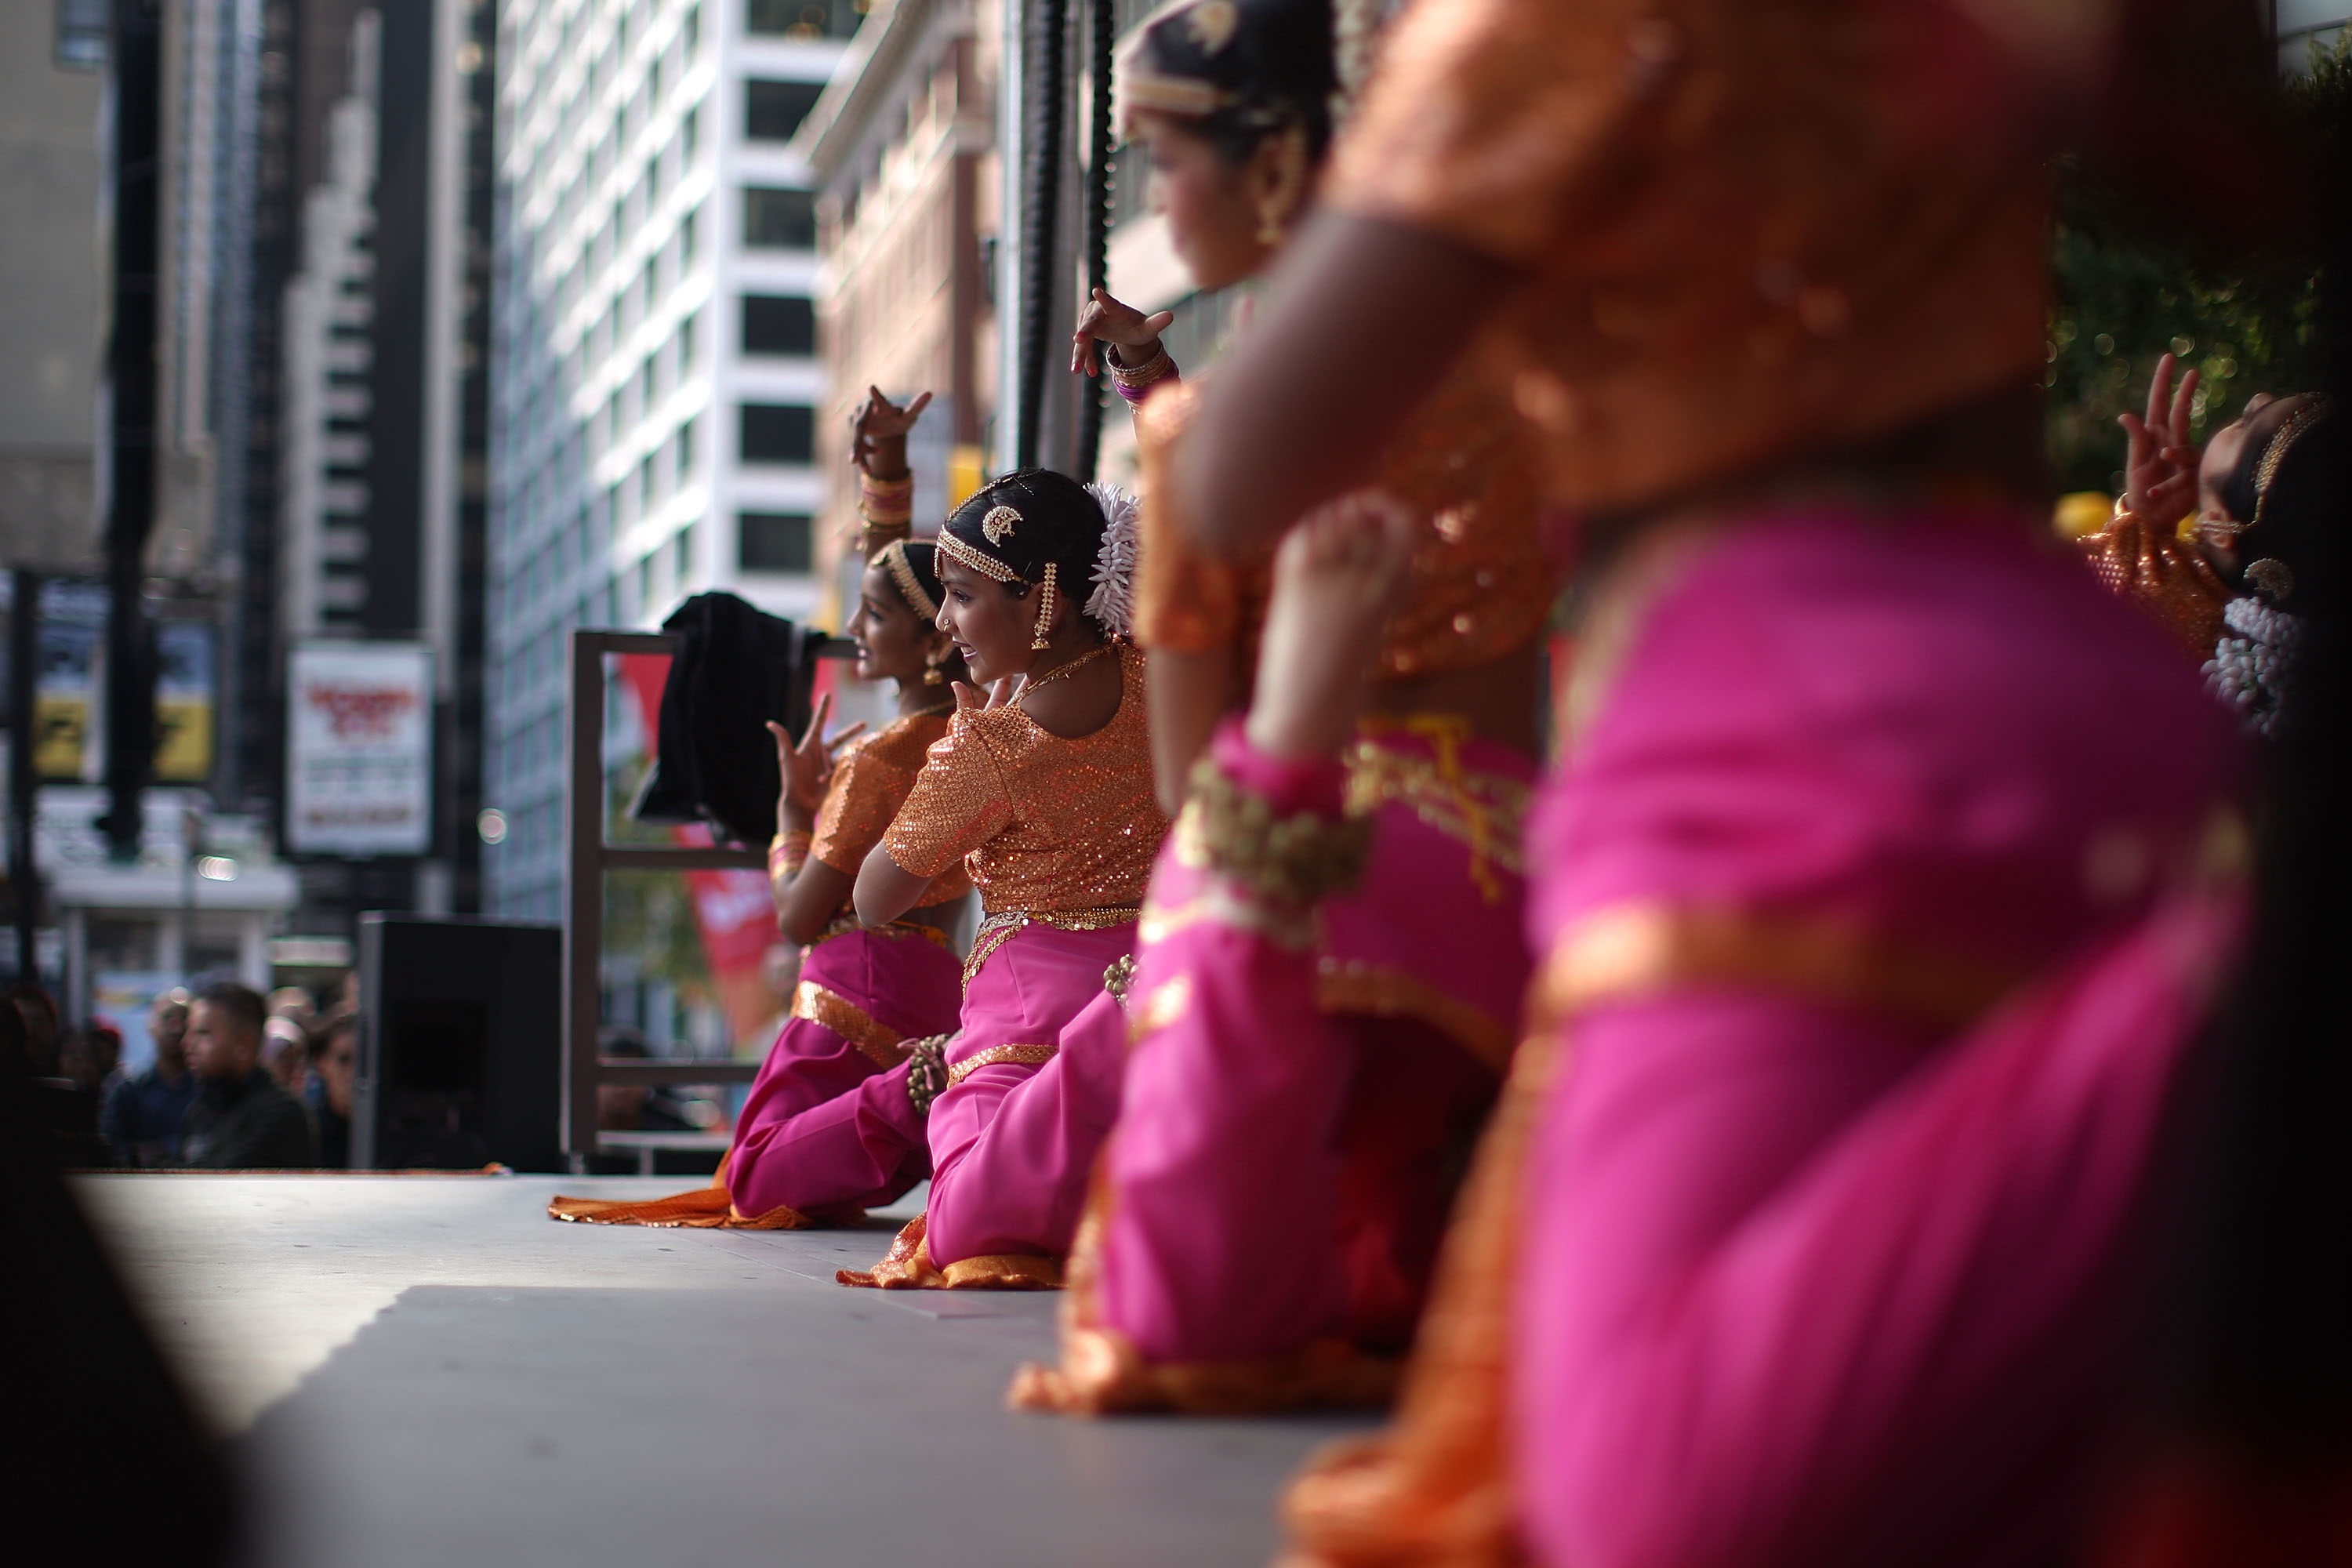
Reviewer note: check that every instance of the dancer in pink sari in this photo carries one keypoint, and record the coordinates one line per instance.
(1421, 964)
(826, 1131)
(1888, 858)
(1044, 791)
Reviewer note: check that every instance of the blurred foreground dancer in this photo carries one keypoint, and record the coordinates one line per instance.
(1044, 789)
(1878, 899)
(1418, 965)
(828, 1131)
(96, 1410)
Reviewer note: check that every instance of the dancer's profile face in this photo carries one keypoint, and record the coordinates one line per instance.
(990, 627)
(1208, 202)
(893, 641)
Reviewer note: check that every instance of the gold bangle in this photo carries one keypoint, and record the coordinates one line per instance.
(1295, 860)
(788, 852)
(1135, 377)
(874, 535)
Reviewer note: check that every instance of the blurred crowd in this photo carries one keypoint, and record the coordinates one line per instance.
(237, 1082)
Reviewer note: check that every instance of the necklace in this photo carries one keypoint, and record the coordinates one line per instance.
(1060, 670)
(933, 711)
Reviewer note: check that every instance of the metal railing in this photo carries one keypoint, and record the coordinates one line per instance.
(588, 857)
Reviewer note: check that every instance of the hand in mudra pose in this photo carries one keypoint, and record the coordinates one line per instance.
(807, 763)
(1103, 319)
(879, 436)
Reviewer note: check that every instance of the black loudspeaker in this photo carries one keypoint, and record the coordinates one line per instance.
(460, 1044)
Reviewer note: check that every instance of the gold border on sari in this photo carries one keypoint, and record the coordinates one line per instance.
(1001, 1056)
(1344, 985)
(997, 929)
(1101, 1373)
(1632, 951)
(908, 1265)
(1483, 811)
(876, 1041)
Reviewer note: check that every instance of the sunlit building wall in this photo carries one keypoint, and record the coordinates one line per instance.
(904, 147)
(654, 389)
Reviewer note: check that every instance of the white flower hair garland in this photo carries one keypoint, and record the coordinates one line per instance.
(1111, 603)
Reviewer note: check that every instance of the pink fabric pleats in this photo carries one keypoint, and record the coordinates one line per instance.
(1803, 1281)
(1012, 1141)
(1287, 1153)
(827, 1127)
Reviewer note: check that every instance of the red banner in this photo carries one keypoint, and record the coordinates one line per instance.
(732, 910)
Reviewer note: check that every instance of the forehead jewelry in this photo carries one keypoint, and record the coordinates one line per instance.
(910, 587)
(2274, 451)
(997, 524)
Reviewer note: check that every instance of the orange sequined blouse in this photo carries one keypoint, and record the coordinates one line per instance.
(1043, 824)
(870, 782)
(1745, 230)
(1481, 586)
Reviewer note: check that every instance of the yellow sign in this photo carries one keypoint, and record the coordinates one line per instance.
(61, 728)
(184, 738)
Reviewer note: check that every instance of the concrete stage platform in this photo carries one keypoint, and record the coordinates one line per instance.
(429, 1371)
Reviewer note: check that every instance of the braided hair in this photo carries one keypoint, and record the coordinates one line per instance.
(1237, 70)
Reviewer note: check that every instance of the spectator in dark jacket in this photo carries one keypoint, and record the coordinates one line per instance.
(242, 1119)
(142, 1115)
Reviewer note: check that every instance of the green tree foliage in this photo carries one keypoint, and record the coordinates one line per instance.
(2125, 294)
(649, 915)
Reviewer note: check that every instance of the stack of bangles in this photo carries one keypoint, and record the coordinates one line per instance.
(1272, 834)
(886, 508)
(787, 853)
(1134, 382)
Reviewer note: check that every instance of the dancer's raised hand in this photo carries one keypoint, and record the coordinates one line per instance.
(2161, 464)
(878, 438)
(1103, 319)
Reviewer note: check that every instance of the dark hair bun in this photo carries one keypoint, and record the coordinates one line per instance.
(1017, 526)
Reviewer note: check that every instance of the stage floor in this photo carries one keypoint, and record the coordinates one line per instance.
(429, 1371)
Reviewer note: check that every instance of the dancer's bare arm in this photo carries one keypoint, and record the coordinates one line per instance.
(1309, 395)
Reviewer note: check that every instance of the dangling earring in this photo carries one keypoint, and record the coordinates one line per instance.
(1290, 178)
(931, 662)
(1045, 607)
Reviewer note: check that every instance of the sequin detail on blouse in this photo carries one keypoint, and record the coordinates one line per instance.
(1482, 585)
(1039, 822)
(1745, 230)
(870, 782)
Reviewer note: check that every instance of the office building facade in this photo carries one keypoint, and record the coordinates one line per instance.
(654, 390)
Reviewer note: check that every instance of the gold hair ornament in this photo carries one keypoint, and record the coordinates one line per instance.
(1045, 607)
(979, 561)
(998, 524)
(893, 557)
(2290, 430)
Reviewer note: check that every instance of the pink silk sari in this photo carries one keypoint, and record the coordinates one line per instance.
(1880, 893)
(1032, 1077)
(828, 1128)
(1296, 1117)
(1034, 1072)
